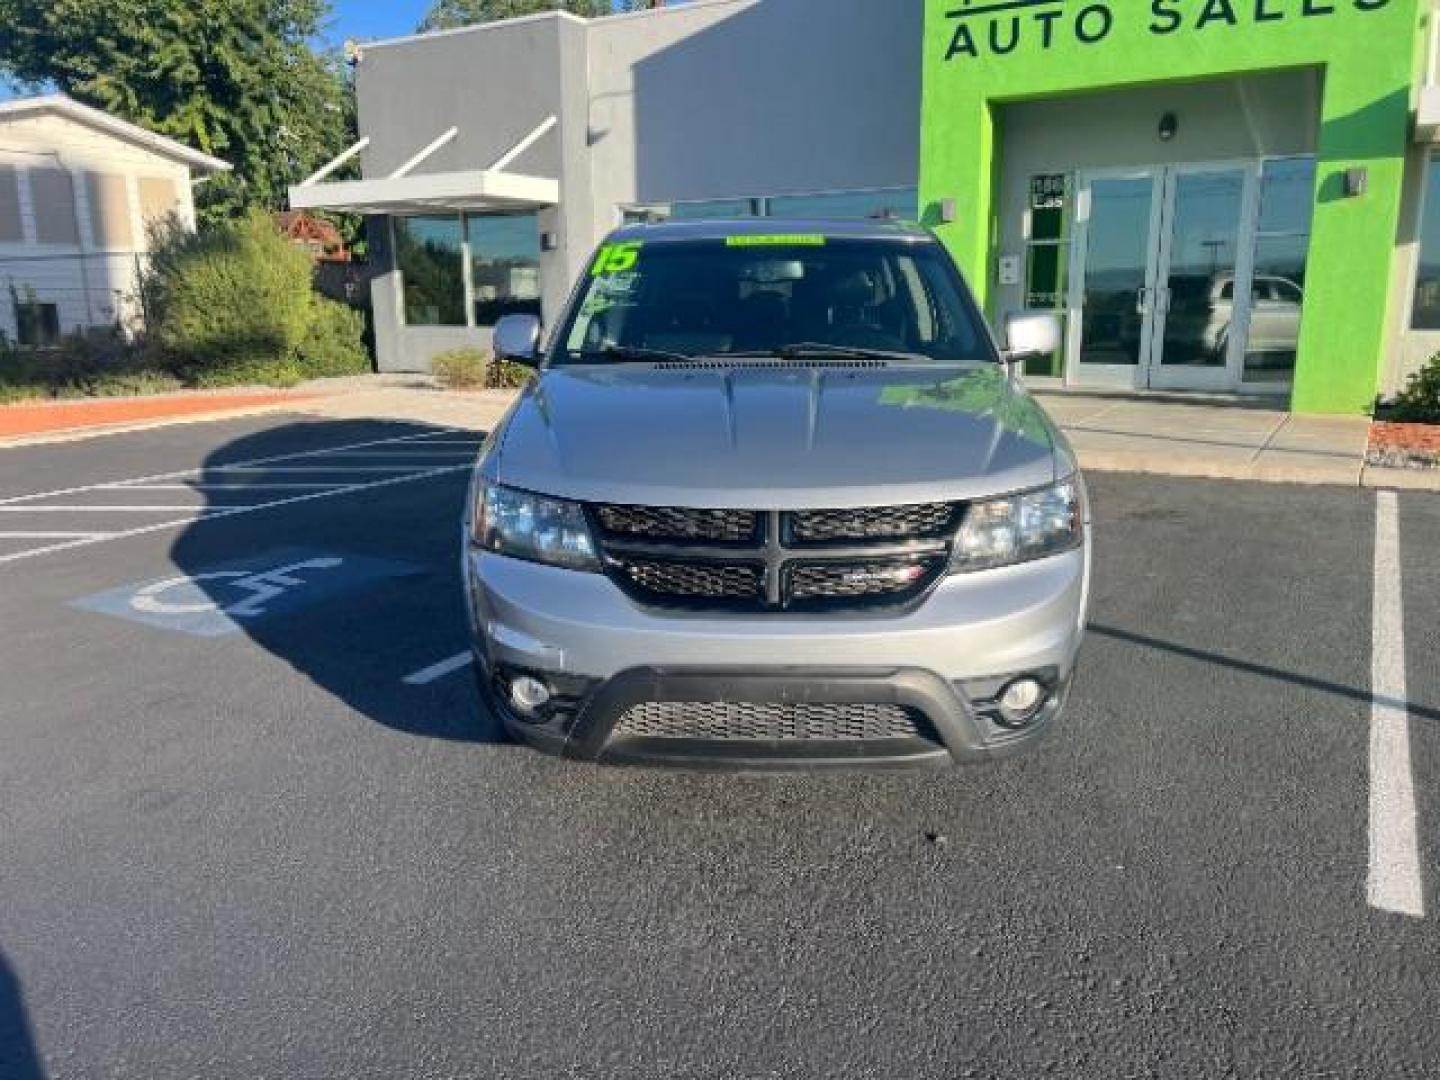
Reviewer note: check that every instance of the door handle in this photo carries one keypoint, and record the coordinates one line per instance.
(1142, 302)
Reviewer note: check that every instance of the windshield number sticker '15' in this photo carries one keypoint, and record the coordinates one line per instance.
(616, 259)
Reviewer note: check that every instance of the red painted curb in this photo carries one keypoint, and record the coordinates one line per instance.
(1386, 436)
(29, 418)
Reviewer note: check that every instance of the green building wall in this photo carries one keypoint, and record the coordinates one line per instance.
(1368, 50)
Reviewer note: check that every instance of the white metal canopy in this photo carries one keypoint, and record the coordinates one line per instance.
(401, 192)
(474, 191)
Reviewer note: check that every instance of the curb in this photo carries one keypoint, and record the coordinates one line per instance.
(120, 427)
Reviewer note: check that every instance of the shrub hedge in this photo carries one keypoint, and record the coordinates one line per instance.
(235, 305)
(472, 368)
(1419, 402)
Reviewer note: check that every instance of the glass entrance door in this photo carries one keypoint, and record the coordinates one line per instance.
(1198, 309)
(1118, 216)
(1164, 293)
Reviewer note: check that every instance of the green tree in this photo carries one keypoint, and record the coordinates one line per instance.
(448, 14)
(235, 78)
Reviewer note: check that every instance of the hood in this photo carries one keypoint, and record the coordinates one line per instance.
(769, 437)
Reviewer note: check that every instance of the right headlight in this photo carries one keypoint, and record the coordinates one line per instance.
(1019, 528)
(533, 527)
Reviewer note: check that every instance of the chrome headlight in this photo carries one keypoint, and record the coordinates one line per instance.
(1021, 527)
(532, 527)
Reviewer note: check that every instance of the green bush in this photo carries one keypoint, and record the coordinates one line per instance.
(333, 342)
(1419, 402)
(97, 363)
(503, 375)
(474, 369)
(235, 305)
(461, 369)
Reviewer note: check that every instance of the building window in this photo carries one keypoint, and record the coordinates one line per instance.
(1425, 315)
(52, 195)
(1282, 247)
(37, 325)
(504, 266)
(1047, 259)
(12, 229)
(110, 211)
(429, 252)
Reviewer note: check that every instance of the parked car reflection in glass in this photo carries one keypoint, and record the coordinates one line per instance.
(1202, 316)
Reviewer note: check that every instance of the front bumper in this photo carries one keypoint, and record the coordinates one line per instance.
(603, 653)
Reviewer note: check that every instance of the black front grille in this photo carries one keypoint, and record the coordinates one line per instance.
(678, 523)
(926, 521)
(659, 579)
(767, 561)
(838, 581)
(738, 721)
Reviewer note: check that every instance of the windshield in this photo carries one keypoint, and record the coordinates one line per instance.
(755, 295)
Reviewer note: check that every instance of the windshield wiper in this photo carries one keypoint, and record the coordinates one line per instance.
(816, 350)
(635, 354)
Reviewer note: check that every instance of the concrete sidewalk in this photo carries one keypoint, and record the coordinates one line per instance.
(1210, 437)
(1214, 437)
(1221, 438)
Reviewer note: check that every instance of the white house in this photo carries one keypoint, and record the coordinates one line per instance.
(78, 191)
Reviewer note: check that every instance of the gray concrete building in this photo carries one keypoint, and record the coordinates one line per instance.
(713, 108)
(1209, 202)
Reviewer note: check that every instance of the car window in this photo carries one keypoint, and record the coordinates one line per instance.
(755, 294)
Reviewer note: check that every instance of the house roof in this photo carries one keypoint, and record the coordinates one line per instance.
(98, 118)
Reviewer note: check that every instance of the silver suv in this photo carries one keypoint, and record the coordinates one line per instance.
(776, 499)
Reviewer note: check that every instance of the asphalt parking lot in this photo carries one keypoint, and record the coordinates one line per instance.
(253, 823)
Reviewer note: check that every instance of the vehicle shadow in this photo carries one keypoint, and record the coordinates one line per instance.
(1359, 694)
(19, 1060)
(335, 547)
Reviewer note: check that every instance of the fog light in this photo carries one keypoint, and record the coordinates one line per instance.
(1020, 701)
(529, 695)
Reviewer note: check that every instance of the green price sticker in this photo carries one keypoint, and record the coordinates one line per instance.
(616, 259)
(776, 240)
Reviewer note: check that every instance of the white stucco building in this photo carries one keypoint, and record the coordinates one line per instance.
(79, 189)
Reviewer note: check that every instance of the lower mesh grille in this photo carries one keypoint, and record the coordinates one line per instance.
(736, 721)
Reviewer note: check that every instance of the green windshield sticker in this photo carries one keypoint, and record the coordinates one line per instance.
(776, 240)
(616, 259)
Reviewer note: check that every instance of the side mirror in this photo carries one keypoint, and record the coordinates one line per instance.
(517, 340)
(1031, 334)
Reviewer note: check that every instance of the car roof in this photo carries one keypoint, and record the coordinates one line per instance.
(836, 229)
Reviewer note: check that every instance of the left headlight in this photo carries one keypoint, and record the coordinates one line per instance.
(532, 527)
(1021, 527)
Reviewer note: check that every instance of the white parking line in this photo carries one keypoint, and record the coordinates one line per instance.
(203, 469)
(403, 453)
(215, 515)
(203, 486)
(1394, 882)
(214, 469)
(49, 535)
(438, 671)
(103, 509)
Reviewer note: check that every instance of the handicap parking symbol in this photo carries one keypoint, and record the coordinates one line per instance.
(228, 597)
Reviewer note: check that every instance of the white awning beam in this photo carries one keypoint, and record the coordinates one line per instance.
(442, 141)
(431, 192)
(335, 163)
(524, 144)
